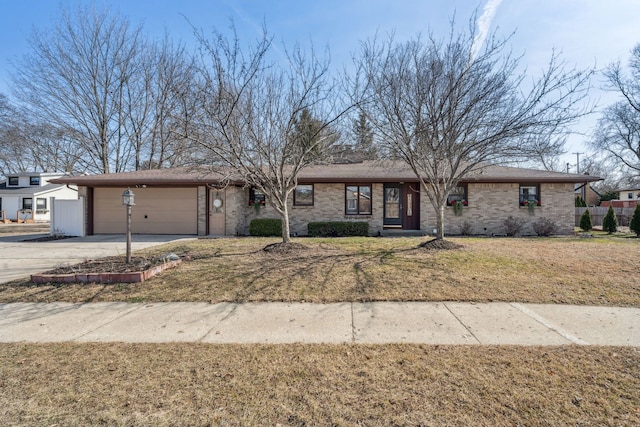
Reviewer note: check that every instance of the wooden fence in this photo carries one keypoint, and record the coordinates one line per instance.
(598, 212)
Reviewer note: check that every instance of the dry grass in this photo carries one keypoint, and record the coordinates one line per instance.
(304, 385)
(596, 271)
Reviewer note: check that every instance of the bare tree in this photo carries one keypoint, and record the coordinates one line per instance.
(76, 78)
(29, 145)
(165, 79)
(448, 109)
(618, 131)
(100, 82)
(265, 121)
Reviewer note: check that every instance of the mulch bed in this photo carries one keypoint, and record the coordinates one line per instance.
(440, 245)
(115, 264)
(284, 248)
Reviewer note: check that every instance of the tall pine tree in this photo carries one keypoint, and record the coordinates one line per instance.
(585, 221)
(610, 221)
(364, 138)
(634, 225)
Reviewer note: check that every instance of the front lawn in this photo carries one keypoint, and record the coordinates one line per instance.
(307, 385)
(594, 271)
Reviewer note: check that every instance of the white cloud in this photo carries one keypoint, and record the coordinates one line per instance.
(484, 24)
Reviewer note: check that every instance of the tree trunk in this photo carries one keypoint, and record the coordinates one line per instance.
(286, 236)
(440, 222)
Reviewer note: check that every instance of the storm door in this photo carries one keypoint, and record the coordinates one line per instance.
(402, 206)
(392, 206)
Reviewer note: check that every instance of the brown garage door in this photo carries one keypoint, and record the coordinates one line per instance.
(156, 211)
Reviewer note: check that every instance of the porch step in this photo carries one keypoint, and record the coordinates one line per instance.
(403, 233)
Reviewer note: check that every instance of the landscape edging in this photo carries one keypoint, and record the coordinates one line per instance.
(129, 277)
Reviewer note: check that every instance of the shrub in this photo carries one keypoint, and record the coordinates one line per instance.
(513, 226)
(585, 221)
(338, 229)
(580, 203)
(265, 227)
(544, 227)
(634, 225)
(466, 228)
(610, 222)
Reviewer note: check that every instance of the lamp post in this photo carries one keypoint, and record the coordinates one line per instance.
(127, 200)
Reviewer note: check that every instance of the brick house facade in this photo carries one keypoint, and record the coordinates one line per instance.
(388, 197)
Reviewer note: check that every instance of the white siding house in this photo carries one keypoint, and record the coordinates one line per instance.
(27, 196)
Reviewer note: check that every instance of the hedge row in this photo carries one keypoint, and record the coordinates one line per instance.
(338, 229)
(265, 227)
(270, 227)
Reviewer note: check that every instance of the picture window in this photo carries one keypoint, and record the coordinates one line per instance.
(303, 195)
(358, 199)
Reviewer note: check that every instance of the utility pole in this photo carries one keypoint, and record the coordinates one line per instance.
(577, 161)
(583, 190)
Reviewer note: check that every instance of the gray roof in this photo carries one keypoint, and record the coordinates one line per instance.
(368, 171)
(4, 190)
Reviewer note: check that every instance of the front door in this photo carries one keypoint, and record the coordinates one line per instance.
(392, 207)
(402, 206)
(217, 209)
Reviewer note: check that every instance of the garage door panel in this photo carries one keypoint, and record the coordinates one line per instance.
(156, 211)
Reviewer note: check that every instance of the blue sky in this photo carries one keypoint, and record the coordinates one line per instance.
(588, 32)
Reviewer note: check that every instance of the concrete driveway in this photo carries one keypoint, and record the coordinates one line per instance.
(20, 258)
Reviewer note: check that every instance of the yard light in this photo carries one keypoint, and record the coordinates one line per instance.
(127, 200)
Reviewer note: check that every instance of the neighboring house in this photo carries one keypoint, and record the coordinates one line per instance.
(628, 198)
(588, 194)
(386, 195)
(631, 193)
(26, 196)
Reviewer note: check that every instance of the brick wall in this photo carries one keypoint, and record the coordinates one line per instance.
(328, 205)
(489, 205)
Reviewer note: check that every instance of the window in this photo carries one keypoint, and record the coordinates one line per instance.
(458, 194)
(630, 195)
(41, 204)
(303, 195)
(256, 197)
(529, 194)
(13, 180)
(358, 199)
(27, 203)
(34, 180)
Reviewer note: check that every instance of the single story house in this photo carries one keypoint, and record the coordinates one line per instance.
(386, 195)
(26, 196)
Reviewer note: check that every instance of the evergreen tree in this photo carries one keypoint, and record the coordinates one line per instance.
(610, 221)
(635, 221)
(609, 195)
(310, 135)
(364, 138)
(580, 203)
(585, 221)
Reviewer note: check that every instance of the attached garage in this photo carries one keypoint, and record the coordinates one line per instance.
(157, 210)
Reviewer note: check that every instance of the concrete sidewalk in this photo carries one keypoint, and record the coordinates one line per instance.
(379, 322)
